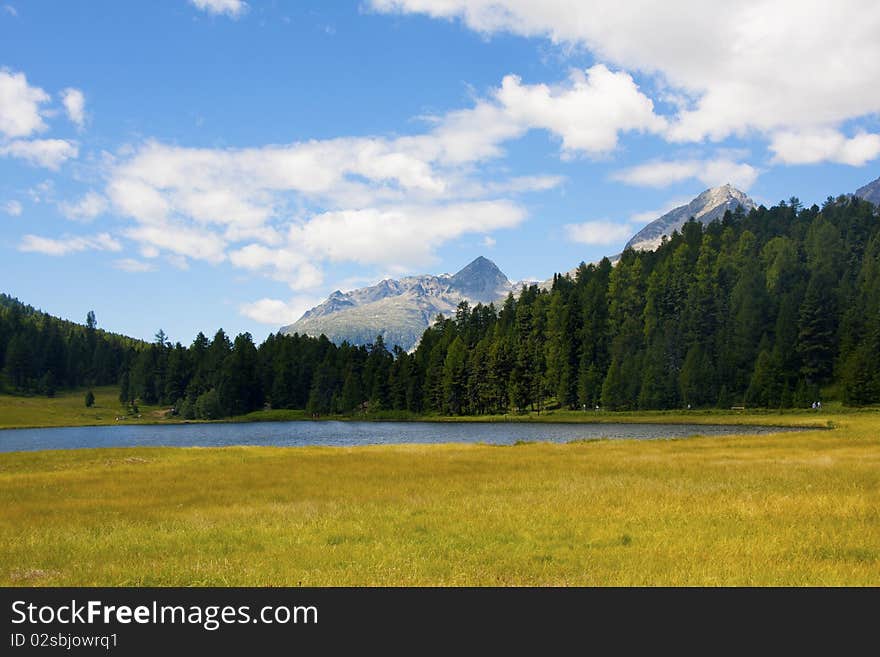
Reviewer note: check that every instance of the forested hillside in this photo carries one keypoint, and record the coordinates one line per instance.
(764, 309)
(42, 353)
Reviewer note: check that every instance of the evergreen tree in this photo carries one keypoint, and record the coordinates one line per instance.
(455, 378)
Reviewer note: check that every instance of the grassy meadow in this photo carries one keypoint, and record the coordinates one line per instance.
(67, 409)
(780, 509)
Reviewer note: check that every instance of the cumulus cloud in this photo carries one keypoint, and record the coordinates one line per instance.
(22, 116)
(588, 114)
(396, 199)
(133, 266)
(710, 172)
(59, 247)
(231, 8)
(285, 264)
(85, 209)
(75, 105)
(20, 111)
(404, 236)
(12, 208)
(812, 147)
(601, 231)
(759, 64)
(277, 312)
(47, 153)
(180, 240)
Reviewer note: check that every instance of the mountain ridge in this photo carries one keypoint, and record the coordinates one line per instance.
(870, 192)
(707, 206)
(401, 309)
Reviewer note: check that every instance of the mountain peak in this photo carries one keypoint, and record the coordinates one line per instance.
(708, 206)
(401, 310)
(870, 192)
(726, 191)
(478, 265)
(480, 280)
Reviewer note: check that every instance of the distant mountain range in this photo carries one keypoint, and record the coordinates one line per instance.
(401, 310)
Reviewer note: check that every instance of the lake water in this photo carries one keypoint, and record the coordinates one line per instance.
(347, 434)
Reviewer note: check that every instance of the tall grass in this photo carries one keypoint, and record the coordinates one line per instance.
(779, 509)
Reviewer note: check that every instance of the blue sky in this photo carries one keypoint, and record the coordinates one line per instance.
(190, 165)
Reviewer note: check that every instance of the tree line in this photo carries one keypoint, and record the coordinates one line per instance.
(42, 354)
(774, 308)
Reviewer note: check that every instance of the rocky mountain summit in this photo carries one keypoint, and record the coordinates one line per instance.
(705, 208)
(401, 309)
(870, 192)
(708, 206)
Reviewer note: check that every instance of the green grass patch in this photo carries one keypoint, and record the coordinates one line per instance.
(68, 409)
(779, 509)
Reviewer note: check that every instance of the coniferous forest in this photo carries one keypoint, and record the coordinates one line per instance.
(772, 309)
(42, 354)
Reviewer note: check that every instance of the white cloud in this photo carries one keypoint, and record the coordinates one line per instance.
(232, 8)
(9, 9)
(600, 231)
(756, 64)
(402, 236)
(12, 208)
(133, 266)
(241, 187)
(75, 105)
(178, 262)
(277, 312)
(20, 113)
(42, 192)
(710, 172)
(418, 183)
(587, 114)
(138, 200)
(812, 147)
(85, 209)
(287, 264)
(489, 242)
(58, 247)
(47, 153)
(180, 240)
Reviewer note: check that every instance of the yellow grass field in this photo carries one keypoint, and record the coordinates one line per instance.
(779, 509)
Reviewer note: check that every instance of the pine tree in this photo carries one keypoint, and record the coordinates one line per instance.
(455, 377)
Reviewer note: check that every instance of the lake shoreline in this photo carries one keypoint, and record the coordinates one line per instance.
(656, 417)
(67, 410)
